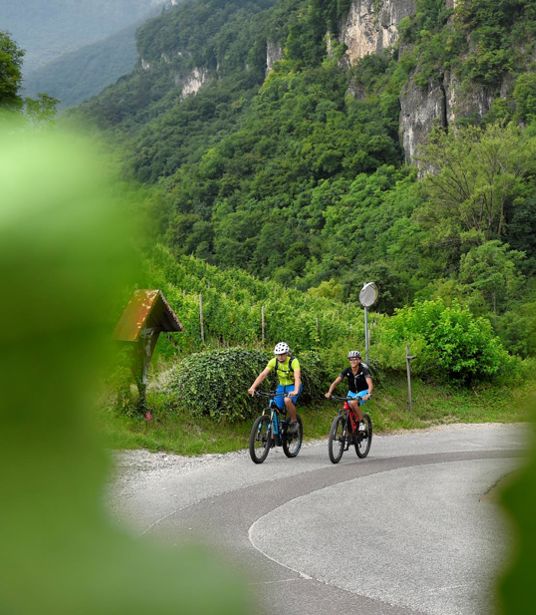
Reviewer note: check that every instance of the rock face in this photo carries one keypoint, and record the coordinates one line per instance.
(372, 25)
(442, 104)
(420, 110)
(274, 52)
(468, 101)
(193, 82)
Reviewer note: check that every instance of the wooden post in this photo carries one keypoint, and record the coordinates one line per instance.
(201, 318)
(262, 324)
(409, 358)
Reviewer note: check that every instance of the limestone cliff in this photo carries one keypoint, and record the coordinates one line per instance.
(372, 25)
(193, 82)
(274, 52)
(444, 104)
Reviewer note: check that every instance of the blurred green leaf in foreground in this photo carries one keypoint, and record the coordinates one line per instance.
(63, 254)
(517, 588)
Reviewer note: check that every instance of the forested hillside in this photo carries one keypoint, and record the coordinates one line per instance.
(286, 157)
(277, 150)
(80, 74)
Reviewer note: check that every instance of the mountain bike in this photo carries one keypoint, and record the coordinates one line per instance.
(271, 429)
(347, 430)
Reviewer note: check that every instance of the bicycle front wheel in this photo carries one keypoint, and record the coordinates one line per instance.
(337, 439)
(292, 442)
(363, 438)
(260, 439)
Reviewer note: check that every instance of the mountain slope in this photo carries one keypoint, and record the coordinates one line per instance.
(81, 74)
(278, 142)
(47, 30)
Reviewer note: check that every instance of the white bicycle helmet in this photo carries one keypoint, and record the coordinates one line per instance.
(354, 354)
(281, 348)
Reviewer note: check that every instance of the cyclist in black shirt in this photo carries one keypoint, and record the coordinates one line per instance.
(359, 382)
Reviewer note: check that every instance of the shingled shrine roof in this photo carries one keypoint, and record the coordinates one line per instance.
(146, 309)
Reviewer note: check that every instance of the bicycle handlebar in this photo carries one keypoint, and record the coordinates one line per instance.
(269, 394)
(272, 394)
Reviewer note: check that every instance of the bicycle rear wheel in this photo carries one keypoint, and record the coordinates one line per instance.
(292, 442)
(260, 439)
(337, 439)
(363, 438)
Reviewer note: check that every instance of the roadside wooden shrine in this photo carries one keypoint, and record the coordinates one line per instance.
(146, 316)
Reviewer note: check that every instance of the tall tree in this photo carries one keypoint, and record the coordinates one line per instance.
(10, 72)
(476, 180)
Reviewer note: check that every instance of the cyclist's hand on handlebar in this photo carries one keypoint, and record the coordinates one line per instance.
(251, 391)
(327, 395)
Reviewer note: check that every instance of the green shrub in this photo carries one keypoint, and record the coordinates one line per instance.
(448, 341)
(214, 383)
(517, 329)
(314, 376)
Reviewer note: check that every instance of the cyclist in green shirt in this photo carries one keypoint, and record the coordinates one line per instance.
(289, 385)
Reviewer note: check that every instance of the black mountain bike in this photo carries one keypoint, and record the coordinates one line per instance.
(346, 431)
(271, 429)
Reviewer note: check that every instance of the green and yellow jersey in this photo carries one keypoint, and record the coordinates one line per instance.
(285, 375)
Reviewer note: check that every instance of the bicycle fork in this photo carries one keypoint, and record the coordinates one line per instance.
(276, 428)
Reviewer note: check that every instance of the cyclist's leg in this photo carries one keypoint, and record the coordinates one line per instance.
(290, 403)
(362, 401)
(354, 404)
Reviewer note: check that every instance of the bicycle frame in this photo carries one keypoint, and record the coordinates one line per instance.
(271, 429)
(277, 417)
(351, 417)
(351, 434)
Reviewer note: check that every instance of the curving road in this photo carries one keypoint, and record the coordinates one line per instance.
(414, 528)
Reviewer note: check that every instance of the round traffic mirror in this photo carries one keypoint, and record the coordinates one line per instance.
(368, 294)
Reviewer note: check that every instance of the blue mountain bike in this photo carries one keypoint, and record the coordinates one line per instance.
(271, 429)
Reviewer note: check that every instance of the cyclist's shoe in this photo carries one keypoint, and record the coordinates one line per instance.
(293, 428)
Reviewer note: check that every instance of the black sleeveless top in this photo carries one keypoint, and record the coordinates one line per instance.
(356, 382)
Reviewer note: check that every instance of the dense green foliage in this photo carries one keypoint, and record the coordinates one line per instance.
(481, 41)
(37, 110)
(296, 175)
(10, 72)
(214, 383)
(449, 342)
(216, 36)
(483, 183)
(232, 308)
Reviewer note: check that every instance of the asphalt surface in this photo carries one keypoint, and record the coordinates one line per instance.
(413, 528)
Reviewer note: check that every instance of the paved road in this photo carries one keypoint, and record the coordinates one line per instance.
(414, 528)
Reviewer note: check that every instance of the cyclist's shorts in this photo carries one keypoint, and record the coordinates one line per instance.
(359, 396)
(285, 388)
